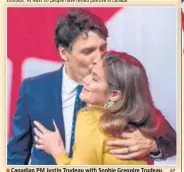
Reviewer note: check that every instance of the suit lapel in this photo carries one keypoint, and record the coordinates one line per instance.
(58, 115)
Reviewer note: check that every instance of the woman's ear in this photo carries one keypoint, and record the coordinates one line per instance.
(63, 53)
(115, 95)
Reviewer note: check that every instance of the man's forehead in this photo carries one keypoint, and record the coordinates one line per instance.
(89, 39)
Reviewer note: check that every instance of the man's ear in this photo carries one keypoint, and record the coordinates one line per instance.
(63, 53)
(115, 95)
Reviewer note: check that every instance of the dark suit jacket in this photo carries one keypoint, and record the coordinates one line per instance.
(40, 100)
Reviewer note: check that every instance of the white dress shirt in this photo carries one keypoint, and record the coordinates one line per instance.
(69, 92)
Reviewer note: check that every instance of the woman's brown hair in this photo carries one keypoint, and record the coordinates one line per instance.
(135, 108)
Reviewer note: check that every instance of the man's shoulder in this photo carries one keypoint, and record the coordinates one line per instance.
(45, 77)
(43, 81)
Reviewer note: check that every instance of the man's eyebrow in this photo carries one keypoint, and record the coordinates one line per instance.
(88, 48)
(91, 48)
(104, 44)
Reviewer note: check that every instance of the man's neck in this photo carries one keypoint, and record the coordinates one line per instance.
(70, 74)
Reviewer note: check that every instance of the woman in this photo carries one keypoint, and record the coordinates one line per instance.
(119, 99)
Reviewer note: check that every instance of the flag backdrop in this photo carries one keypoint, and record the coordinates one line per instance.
(148, 33)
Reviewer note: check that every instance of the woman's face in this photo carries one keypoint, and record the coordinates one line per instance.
(95, 90)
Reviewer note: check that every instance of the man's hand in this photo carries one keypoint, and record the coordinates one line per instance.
(48, 141)
(133, 145)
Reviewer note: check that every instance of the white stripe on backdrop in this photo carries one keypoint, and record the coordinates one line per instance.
(149, 33)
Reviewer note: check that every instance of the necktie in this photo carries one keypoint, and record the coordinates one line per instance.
(78, 105)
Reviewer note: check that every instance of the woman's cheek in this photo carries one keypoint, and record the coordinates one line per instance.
(93, 87)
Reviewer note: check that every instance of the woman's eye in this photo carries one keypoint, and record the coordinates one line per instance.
(95, 79)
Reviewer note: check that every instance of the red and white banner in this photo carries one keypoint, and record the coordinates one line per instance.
(148, 33)
(182, 24)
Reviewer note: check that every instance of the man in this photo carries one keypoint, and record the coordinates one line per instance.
(80, 38)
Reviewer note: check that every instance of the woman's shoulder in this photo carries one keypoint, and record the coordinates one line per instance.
(93, 113)
(89, 118)
(87, 122)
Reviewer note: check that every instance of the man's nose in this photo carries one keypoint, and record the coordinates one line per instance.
(98, 57)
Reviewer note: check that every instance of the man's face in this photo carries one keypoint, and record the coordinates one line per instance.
(86, 51)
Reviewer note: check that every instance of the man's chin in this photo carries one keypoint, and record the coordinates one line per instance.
(81, 79)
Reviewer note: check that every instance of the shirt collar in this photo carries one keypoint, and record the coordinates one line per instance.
(69, 85)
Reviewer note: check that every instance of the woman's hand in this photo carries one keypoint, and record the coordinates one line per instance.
(48, 141)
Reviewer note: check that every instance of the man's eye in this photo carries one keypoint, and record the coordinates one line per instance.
(86, 52)
(103, 49)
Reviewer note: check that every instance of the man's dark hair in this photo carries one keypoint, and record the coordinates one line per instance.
(75, 22)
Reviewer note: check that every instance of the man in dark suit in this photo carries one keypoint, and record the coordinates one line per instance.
(80, 38)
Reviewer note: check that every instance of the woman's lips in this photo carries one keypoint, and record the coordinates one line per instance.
(85, 90)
